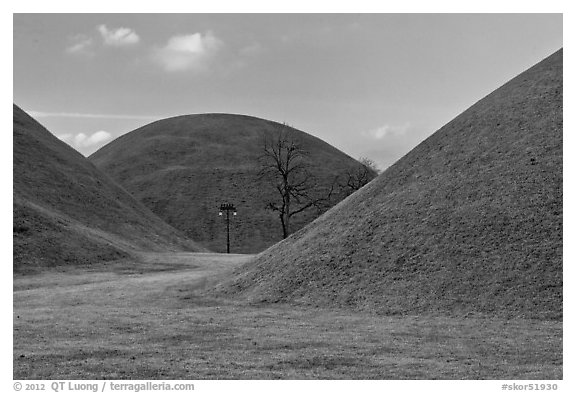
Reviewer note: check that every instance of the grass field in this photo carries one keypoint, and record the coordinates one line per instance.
(470, 220)
(148, 321)
(214, 157)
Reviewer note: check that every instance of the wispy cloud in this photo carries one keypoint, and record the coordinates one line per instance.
(87, 44)
(122, 36)
(192, 52)
(387, 130)
(38, 114)
(80, 45)
(251, 50)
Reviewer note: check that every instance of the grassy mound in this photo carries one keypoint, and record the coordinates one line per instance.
(468, 221)
(67, 212)
(184, 167)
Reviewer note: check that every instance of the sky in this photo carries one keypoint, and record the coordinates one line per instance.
(372, 85)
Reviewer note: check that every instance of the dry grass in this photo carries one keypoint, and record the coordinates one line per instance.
(68, 212)
(151, 321)
(183, 168)
(469, 221)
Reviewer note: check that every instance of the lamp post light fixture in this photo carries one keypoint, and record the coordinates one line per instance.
(227, 207)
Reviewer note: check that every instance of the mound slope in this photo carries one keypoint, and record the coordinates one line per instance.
(65, 211)
(468, 221)
(183, 168)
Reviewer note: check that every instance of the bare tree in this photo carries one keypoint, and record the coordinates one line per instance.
(370, 164)
(357, 177)
(283, 163)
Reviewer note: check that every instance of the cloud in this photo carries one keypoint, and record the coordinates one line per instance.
(192, 52)
(38, 114)
(387, 130)
(80, 45)
(121, 36)
(83, 140)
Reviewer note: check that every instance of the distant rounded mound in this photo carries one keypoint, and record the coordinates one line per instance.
(184, 168)
(470, 221)
(67, 212)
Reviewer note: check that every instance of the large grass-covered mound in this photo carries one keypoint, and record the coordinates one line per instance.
(183, 168)
(468, 221)
(67, 212)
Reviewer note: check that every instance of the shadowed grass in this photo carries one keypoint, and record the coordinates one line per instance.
(470, 220)
(67, 212)
(186, 166)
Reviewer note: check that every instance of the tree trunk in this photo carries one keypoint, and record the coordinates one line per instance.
(284, 230)
(287, 218)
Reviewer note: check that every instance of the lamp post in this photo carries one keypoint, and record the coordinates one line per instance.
(227, 207)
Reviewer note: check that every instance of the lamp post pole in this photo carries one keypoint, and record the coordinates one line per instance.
(228, 231)
(227, 207)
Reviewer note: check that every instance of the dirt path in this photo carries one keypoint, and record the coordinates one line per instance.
(154, 268)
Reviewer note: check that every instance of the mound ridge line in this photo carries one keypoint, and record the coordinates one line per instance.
(184, 167)
(67, 212)
(469, 221)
